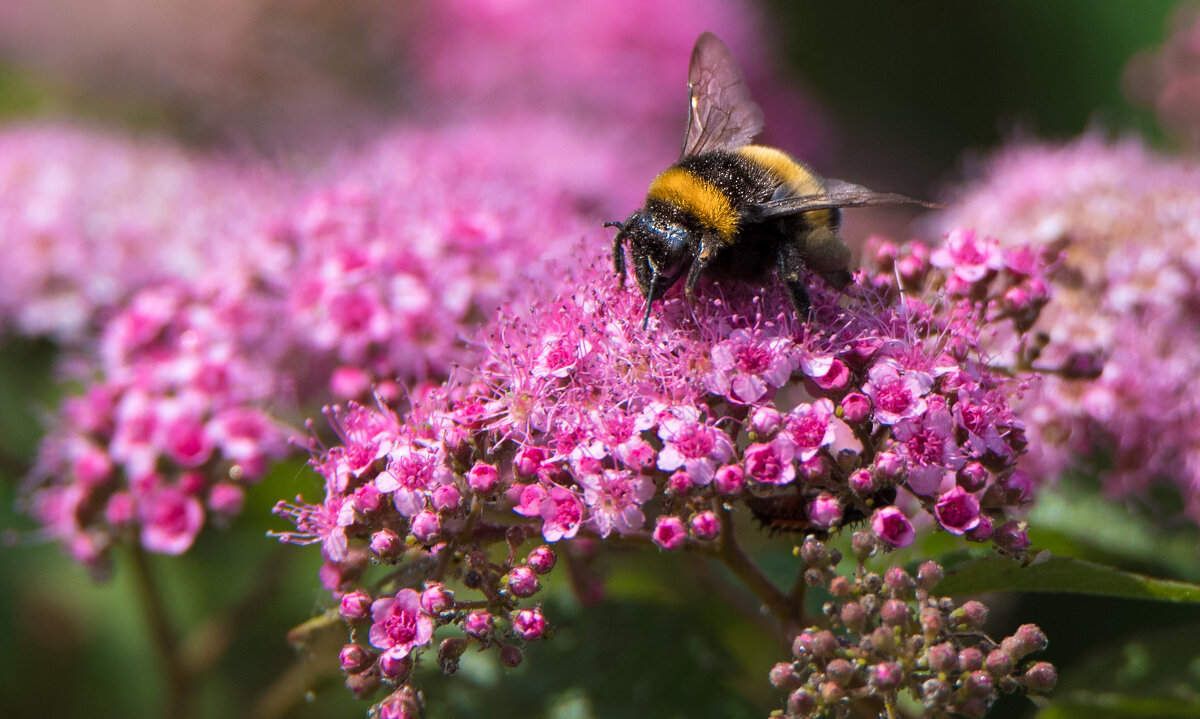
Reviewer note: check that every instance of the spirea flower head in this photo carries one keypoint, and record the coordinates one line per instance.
(174, 430)
(884, 637)
(89, 218)
(1122, 332)
(596, 429)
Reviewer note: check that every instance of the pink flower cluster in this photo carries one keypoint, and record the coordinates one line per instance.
(169, 436)
(1122, 336)
(578, 423)
(88, 219)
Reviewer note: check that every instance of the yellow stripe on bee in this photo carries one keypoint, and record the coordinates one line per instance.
(787, 171)
(708, 204)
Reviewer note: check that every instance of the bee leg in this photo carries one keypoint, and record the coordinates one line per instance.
(790, 263)
(708, 250)
(618, 251)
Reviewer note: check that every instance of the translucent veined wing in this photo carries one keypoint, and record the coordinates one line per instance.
(837, 194)
(721, 114)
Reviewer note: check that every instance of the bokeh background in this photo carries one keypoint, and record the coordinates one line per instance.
(900, 96)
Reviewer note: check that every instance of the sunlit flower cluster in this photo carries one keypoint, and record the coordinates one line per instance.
(578, 423)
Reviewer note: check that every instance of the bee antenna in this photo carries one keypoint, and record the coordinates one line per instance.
(615, 224)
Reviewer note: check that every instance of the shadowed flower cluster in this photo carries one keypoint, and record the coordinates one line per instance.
(883, 636)
(577, 422)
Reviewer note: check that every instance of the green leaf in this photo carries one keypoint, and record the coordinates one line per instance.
(1061, 574)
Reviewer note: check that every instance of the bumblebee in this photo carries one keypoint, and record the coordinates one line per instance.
(732, 209)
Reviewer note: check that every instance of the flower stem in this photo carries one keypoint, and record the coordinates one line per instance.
(166, 645)
(732, 556)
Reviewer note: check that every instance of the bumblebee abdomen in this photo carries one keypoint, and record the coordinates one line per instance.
(789, 172)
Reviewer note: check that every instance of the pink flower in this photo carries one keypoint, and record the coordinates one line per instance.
(811, 427)
(690, 444)
(895, 395)
(892, 527)
(170, 521)
(970, 258)
(929, 446)
(746, 368)
(957, 511)
(562, 514)
(771, 463)
(399, 625)
(825, 511)
(614, 499)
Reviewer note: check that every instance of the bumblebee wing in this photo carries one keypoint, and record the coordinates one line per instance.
(721, 114)
(837, 194)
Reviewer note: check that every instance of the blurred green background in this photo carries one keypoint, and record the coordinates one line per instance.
(913, 94)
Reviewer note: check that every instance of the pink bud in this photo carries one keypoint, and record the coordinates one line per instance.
(730, 480)
(447, 498)
(355, 606)
(765, 422)
(541, 559)
(483, 478)
(426, 527)
(825, 511)
(529, 624)
(354, 658)
(705, 525)
(436, 598)
(387, 544)
(523, 582)
(669, 533)
(856, 408)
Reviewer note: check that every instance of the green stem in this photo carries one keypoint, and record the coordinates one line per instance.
(731, 555)
(166, 644)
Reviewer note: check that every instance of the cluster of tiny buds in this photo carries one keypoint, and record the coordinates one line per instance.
(400, 626)
(884, 635)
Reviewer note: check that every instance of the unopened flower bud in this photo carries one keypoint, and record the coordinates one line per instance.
(478, 624)
(856, 408)
(999, 663)
(801, 703)
(831, 693)
(669, 533)
(523, 582)
(840, 587)
(730, 480)
(511, 656)
(814, 552)
(1028, 638)
(529, 460)
(436, 598)
(354, 658)
(971, 615)
(932, 621)
(824, 643)
(942, 657)
(355, 606)
(886, 676)
(972, 477)
(853, 616)
(889, 467)
(783, 676)
(1040, 677)
(861, 482)
(447, 498)
(825, 511)
(980, 684)
(541, 559)
(970, 659)
(840, 671)
(895, 613)
(928, 576)
(933, 691)
(387, 544)
(1012, 536)
(898, 582)
(530, 624)
(705, 525)
(363, 684)
(862, 544)
(765, 422)
(483, 478)
(394, 665)
(426, 527)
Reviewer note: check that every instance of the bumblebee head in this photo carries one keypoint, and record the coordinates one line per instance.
(661, 250)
